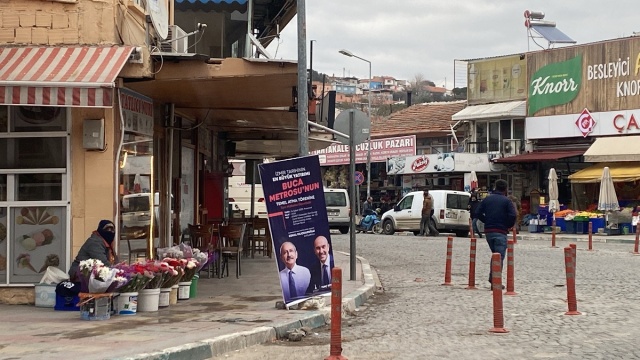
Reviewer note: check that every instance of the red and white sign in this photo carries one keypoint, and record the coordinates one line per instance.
(420, 164)
(606, 123)
(585, 123)
(381, 150)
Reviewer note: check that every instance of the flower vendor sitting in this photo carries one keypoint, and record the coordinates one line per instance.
(98, 246)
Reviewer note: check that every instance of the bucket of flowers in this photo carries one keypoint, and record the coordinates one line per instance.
(190, 267)
(97, 284)
(149, 297)
(169, 287)
(127, 300)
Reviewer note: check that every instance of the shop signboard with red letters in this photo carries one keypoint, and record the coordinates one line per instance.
(381, 150)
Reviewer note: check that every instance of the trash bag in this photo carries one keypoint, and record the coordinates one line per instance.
(53, 276)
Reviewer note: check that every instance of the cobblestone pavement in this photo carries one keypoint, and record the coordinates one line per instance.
(417, 318)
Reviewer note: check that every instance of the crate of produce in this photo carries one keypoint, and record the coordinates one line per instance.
(581, 218)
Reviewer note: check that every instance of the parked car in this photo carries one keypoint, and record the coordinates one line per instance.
(338, 210)
(450, 213)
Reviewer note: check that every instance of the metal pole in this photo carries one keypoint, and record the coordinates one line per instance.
(369, 141)
(352, 181)
(303, 95)
(247, 42)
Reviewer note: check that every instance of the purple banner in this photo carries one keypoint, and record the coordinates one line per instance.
(294, 196)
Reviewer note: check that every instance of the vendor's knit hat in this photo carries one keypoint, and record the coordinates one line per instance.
(107, 230)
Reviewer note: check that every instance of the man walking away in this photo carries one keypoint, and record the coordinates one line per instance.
(498, 215)
(426, 226)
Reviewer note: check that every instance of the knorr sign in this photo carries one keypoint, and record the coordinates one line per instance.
(555, 84)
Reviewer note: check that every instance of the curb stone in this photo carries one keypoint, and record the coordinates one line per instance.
(206, 349)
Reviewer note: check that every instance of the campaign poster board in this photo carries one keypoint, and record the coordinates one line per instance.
(299, 228)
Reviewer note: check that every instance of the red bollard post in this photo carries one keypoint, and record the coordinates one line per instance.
(447, 268)
(510, 269)
(637, 243)
(472, 265)
(571, 282)
(335, 350)
(574, 249)
(496, 286)
(590, 236)
(471, 233)
(514, 232)
(553, 233)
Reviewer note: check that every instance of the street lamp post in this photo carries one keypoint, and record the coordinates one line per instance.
(350, 54)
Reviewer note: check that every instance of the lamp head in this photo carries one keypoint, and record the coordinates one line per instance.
(346, 53)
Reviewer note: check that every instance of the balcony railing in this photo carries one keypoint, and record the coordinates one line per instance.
(480, 147)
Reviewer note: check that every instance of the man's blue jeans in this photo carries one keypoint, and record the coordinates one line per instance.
(498, 244)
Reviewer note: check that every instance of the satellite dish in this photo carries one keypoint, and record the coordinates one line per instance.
(157, 9)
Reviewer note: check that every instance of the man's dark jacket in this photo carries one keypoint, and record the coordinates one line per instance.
(497, 213)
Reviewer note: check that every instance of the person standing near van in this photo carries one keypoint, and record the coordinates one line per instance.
(367, 207)
(473, 208)
(498, 215)
(426, 226)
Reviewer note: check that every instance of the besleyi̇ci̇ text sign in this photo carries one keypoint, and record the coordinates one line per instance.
(381, 150)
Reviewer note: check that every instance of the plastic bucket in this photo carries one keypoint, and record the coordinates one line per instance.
(165, 295)
(127, 303)
(173, 296)
(193, 291)
(184, 288)
(148, 300)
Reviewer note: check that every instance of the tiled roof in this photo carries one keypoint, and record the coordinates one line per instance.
(424, 120)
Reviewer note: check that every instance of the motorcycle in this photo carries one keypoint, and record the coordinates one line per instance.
(370, 223)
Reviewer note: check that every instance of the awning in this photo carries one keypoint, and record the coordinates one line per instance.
(511, 109)
(82, 76)
(616, 148)
(212, 5)
(620, 172)
(540, 156)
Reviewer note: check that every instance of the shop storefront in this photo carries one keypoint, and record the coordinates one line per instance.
(586, 98)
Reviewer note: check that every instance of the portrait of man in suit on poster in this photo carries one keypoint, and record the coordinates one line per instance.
(294, 278)
(321, 267)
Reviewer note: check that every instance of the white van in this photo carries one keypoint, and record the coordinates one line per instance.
(450, 213)
(239, 193)
(338, 210)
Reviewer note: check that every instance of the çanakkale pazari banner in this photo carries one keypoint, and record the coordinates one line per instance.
(555, 84)
(294, 196)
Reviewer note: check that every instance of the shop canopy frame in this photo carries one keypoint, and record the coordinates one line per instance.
(620, 172)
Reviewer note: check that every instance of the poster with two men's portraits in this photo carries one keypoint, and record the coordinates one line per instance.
(294, 196)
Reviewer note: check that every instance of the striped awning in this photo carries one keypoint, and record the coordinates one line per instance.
(78, 76)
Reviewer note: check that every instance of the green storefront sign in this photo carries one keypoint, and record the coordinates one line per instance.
(555, 84)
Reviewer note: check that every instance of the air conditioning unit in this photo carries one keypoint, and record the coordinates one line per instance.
(177, 41)
(511, 146)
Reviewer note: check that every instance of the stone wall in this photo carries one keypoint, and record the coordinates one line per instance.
(18, 296)
(54, 23)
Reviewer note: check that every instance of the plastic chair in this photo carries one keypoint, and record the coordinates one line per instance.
(231, 245)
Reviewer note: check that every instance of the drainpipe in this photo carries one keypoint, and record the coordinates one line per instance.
(247, 44)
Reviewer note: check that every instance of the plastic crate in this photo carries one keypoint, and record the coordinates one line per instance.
(626, 228)
(596, 223)
(67, 303)
(562, 224)
(535, 228)
(582, 227)
(45, 295)
(570, 226)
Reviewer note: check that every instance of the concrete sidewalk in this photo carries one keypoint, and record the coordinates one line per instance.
(227, 314)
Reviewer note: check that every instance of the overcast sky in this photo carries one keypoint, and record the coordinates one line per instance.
(405, 37)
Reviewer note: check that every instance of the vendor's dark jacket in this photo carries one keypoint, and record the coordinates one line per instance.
(93, 248)
(497, 213)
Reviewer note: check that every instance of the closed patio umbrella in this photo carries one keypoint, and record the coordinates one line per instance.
(608, 200)
(554, 205)
(474, 180)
